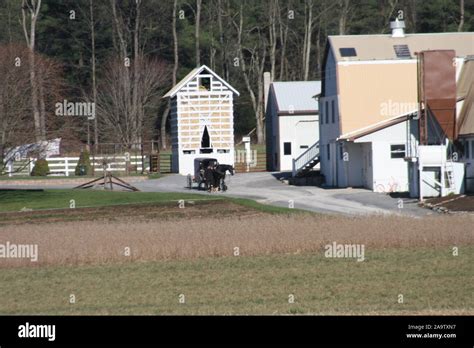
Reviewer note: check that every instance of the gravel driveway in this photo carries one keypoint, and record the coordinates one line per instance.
(264, 188)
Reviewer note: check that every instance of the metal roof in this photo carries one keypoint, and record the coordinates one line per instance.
(358, 133)
(383, 47)
(296, 96)
(196, 71)
(466, 92)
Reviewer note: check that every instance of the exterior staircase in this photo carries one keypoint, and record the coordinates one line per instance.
(306, 161)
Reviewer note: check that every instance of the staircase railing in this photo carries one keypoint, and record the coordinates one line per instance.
(306, 157)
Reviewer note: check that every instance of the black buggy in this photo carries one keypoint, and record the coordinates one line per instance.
(211, 174)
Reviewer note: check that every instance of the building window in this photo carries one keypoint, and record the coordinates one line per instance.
(328, 151)
(287, 148)
(205, 83)
(326, 111)
(333, 112)
(205, 140)
(466, 149)
(304, 146)
(472, 149)
(341, 151)
(321, 114)
(397, 151)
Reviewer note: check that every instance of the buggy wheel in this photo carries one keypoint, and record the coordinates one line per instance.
(189, 182)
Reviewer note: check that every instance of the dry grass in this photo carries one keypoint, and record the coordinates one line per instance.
(92, 242)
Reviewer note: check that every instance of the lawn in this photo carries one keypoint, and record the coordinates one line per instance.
(15, 200)
(432, 281)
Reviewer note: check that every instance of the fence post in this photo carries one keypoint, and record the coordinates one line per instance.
(66, 165)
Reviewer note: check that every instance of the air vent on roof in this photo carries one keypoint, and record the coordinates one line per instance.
(402, 51)
(348, 52)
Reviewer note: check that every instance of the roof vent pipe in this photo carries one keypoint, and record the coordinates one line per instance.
(397, 27)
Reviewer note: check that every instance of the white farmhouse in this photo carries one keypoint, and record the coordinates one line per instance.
(292, 123)
(202, 120)
(369, 109)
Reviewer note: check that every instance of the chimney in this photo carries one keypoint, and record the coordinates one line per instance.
(397, 27)
(267, 79)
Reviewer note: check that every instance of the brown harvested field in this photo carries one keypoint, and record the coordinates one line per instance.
(454, 203)
(93, 242)
(139, 212)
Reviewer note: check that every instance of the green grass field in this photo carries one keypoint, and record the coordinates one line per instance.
(15, 200)
(431, 281)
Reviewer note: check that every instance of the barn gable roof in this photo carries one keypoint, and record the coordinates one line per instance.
(296, 96)
(192, 74)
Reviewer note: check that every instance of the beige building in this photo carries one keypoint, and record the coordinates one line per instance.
(369, 94)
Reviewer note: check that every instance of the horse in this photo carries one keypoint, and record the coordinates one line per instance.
(219, 175)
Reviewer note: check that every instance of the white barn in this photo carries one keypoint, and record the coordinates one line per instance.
(292, 122)
(202, 120)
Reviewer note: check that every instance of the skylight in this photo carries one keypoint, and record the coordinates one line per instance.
(348, 52)
(402, 51)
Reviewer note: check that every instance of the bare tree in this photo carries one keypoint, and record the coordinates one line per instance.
(344, 10)
(283, 28)
(30, 11)
(118, 122)
(93, 64)
(197, 31)
(272, 13)
(16, 127)
(14, 100)
(253, 72)
(308, 32)
(461, 15)
(164, 118)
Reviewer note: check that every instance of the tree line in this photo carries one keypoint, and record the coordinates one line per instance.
(123, 55)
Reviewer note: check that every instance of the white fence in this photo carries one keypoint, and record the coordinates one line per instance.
(65, 166)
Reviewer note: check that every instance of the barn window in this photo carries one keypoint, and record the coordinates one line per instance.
(321, 114)
(333, 112)
(326, 111)
(397, 151)
(287, 148)
(205, 140)
(205, 83)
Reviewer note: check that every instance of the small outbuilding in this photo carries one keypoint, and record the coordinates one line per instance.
(202, 120)
(292, 122)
